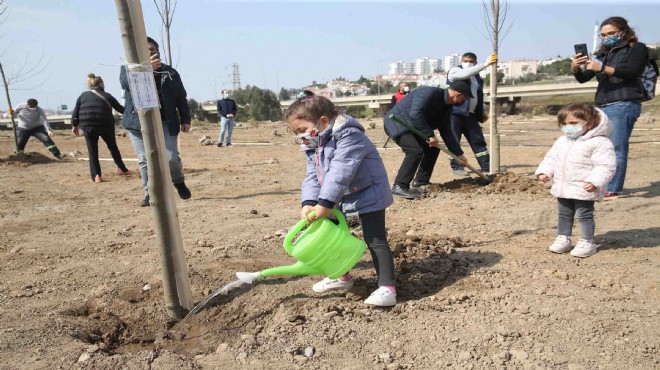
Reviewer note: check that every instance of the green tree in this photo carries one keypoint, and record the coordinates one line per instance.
(500, 78)
(338, 93)
(255, 104)
(284, 94)
(196, 110)
(654, 53)
(558, 68)
(362, 80)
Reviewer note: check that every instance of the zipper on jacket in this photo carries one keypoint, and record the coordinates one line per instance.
(563, 168)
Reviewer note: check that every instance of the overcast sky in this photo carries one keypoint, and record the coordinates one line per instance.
(284, 44)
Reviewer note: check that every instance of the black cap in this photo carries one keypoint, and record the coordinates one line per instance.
(152, 41)
(461, 86)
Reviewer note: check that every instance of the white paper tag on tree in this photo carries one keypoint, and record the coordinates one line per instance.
(143, 90)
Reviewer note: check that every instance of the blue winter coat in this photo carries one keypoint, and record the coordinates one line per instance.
(425, 108)
(346, 170)
(174, 109)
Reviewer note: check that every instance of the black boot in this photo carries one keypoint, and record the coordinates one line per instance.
(405, 193)
(418, 184)
(184, 192)
(145, 201)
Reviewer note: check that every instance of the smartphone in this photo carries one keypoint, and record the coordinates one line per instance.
(152, 53)
(581, 49)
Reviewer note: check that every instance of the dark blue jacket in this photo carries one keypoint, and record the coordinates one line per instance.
(174, 109)
(426, 109)
(226, 106)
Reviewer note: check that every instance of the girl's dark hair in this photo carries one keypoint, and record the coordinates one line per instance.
(621, 23)
(583, 111)
(311, 109)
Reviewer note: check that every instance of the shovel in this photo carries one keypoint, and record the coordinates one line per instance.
(486, 179)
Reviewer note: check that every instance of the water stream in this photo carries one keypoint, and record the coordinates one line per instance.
(201, 305)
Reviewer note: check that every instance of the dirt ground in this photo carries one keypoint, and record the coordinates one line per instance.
(80, 283)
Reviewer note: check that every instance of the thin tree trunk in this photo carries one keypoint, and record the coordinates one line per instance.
(494, 133)
(13, 123)
(176, 284)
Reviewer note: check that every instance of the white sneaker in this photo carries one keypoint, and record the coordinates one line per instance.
(331, 284)
(584, 248)
(381, 297)
(562, 244)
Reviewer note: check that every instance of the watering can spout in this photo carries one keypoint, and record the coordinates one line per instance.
(298, 268)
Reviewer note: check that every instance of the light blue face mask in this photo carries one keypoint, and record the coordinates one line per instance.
(573, 131)
(612, 40)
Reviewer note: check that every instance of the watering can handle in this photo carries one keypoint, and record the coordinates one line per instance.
(288, 246)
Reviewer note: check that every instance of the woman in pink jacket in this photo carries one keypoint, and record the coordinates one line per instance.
(581, 164)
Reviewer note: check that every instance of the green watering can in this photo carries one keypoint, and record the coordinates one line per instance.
(323, 248)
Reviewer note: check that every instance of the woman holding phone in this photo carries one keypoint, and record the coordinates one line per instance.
(618, 65)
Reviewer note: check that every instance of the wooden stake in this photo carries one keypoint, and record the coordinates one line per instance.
(176, 283)
(13, 123)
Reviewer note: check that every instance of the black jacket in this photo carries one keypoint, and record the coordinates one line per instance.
(91, 110)
(226, 106)
(628, 63)
(174, 109)
(426, 109)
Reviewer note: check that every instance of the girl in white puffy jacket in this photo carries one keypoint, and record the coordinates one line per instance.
(581, 163)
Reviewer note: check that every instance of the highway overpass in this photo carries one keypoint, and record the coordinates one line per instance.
(510, 94)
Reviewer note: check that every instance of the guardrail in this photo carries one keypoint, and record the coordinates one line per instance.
(56, 122)
(510, 93)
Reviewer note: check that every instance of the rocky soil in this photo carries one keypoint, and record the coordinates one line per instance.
(80, 284)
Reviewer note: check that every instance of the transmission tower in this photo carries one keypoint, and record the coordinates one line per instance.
(236, 77)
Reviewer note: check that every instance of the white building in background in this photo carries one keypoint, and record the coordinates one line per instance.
(425, 66)
(395, 68)
(435, 79)
(400, 67)
(513, 69)
(451, 60)
(549, 61)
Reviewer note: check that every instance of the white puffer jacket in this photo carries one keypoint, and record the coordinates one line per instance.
(590, 158)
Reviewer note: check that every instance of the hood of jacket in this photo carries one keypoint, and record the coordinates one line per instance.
(604, 128)
(341, 122)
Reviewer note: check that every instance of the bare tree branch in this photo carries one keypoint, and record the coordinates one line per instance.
(166, 13)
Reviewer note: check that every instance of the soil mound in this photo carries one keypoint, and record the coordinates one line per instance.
(25, 159)
(273, 312)
(505, 183)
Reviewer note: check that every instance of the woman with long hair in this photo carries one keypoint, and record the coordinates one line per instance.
(617, 65)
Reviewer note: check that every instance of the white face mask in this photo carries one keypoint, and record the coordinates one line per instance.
(573, 131)
(406, 90)
(225, 95)
(30, 108)
(467, 64)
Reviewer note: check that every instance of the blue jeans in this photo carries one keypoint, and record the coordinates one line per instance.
(41, 134)
(226, 124)
(171, 145)
(623, 116)
(468, 126)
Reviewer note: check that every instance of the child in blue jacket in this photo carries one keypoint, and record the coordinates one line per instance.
(344, 170)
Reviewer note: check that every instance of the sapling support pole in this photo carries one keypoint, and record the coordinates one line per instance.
(176, 283)
(13, 122)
